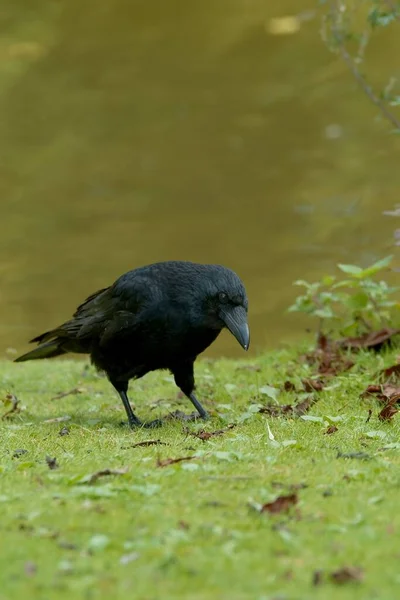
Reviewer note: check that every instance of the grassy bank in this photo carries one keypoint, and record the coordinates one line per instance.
(206, 527)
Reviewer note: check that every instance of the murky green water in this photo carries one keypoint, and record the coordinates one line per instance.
(133, 131)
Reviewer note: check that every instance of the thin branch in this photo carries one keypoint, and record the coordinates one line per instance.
(348, 59)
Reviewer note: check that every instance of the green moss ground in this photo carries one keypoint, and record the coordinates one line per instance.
(192, 529)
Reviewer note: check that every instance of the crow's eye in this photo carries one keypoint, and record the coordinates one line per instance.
(223, 298)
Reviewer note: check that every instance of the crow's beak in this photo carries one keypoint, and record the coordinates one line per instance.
(236, 321)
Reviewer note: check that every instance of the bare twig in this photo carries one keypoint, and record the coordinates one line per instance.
(352, 65)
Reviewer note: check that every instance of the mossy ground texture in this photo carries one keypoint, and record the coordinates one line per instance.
(200, 528)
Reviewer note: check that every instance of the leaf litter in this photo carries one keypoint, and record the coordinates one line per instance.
(94, 477)
(281, 504)
(289, 410)
(165, 462)
(206, 435)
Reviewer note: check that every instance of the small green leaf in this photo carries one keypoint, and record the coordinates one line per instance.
(376, 434)
(351, 269)
(312, 418)
(269, 391)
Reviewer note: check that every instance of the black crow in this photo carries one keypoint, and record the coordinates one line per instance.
(159, 316)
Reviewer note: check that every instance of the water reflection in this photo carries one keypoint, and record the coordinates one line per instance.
(145, 131)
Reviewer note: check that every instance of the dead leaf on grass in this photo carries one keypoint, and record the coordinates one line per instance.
(77, 390)
(288, 386)
(12, 402)
(58, 419)
(145, 444)
(93, 477)
(347, 575)
(383, 393)
(206, 435)
(289, 410)
(389, 410)
(331, 429)
(390, 371)
(328, 357)
(165, 462)
(312, 385)
(374, 340)
(280, 504)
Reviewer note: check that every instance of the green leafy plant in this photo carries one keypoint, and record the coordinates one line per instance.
(354, 305)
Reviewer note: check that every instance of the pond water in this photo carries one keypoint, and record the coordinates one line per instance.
(133, 131)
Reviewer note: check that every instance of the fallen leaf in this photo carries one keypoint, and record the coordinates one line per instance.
(288, 386)
(383, 392)
(145, 443)
(312, 385)
(58, 419)
(77, 390)
(280, 504)
(93, 477)
(52, 463)
(388, 411)
(172, 461)
(328, 357)
(347, 575)
(331, 429)
(289, 410)
(374, 340)
(12, 400)
(389, 371)
(206, 435)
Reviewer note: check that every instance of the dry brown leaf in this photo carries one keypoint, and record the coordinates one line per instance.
(172, 461)
(347, 575)
(312, 385)
(375, 339)
(77, 390)
(145, 444)
(280, 504)
(90, 479)
(288, 386)
(206, 435)
(331, 429)
(387, 413)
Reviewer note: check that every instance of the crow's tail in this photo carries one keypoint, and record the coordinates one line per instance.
(45, 350)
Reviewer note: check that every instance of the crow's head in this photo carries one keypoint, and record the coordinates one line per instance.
(225, 303)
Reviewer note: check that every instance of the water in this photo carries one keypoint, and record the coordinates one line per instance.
(134, 131)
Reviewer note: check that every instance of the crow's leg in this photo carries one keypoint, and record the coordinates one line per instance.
(184, 379)
(133, 420)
